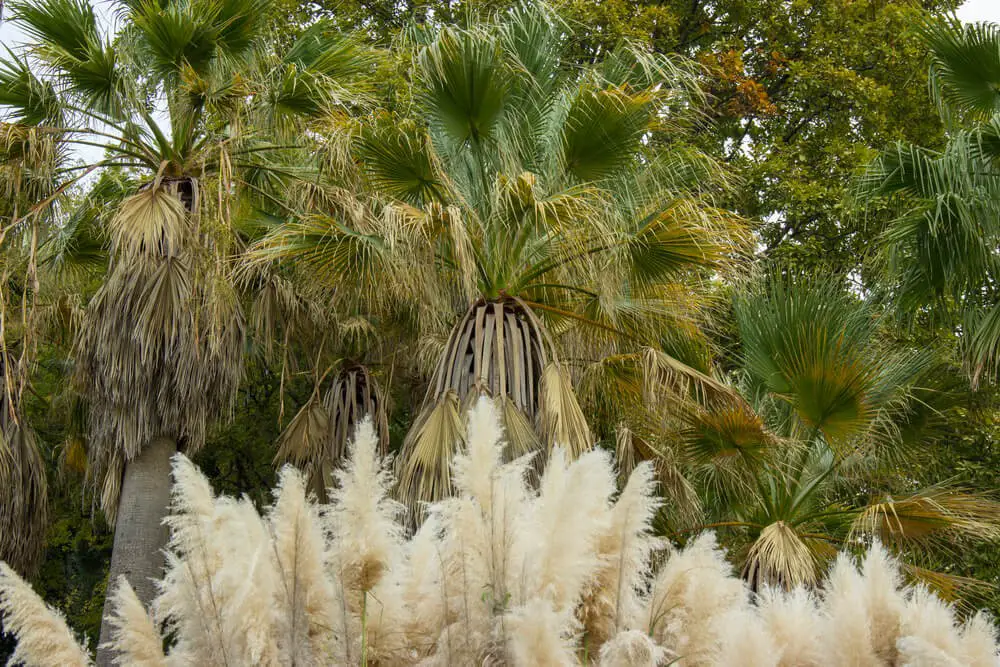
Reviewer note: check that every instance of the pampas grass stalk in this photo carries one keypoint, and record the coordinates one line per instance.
(500, 574)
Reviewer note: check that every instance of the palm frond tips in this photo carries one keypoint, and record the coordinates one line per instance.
(151, 223)
(316, 440)
(424, 464)
(780, 557)
(560, 418)
(934, 516)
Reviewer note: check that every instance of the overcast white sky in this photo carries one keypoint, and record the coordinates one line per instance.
(980, 10)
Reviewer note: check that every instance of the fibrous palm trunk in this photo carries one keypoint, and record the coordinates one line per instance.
(144, 497)
(140, 534)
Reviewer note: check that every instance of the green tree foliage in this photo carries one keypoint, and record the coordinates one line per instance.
(804, 93)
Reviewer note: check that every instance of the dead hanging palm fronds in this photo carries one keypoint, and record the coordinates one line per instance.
(316, 439)
(781, 558)
(24, 505)
(499, 349)
(166, 325)
(353, 396)
(23, 498)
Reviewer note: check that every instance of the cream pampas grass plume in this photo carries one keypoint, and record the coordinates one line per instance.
(500, 574)
(43, 638)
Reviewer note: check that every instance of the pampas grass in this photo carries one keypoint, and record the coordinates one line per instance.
(43, 638)
(499, 574)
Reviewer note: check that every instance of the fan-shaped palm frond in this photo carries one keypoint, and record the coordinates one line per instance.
(965, 66)
(939, 255)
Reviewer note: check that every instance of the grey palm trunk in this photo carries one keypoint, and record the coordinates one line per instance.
(140, 534)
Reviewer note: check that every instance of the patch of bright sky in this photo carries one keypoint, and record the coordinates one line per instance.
(980, 10)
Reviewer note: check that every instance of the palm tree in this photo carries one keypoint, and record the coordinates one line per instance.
(519, 205)
(195, 101)
(809, 463)
(939, 252)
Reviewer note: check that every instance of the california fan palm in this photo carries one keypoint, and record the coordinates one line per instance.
(181, 96)
(826, 414)
(29, 160)
(516, 197)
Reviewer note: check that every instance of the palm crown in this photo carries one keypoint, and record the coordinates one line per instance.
(521, 191)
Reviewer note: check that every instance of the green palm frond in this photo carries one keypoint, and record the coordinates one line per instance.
(27, 98)
(67, 39)
(329, 251)
(943, 241)
(602, 131)
(814, 347)
(61, 28)
(175, 35)
(965, 65)
(981, 343)
(399, 163)
(464, 89)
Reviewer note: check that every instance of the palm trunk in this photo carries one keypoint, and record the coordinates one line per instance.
(140, 535)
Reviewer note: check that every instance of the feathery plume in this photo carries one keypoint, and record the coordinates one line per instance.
(133, 633)
(689, 597)
(43, 638)
(793, 620)
(499, 574)
(632, 648)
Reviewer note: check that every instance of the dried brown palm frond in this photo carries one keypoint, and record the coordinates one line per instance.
(782, 558)
(502, 350)
(424, 465)
(354, 395)
(151, 223)
(931, 517)
(23, 497)
(303, 443)
(560, 419)
(966, 593)
(316, 439)
(160, 350)
(24, 500)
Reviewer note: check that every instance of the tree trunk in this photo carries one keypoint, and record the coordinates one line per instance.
(140, 535)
